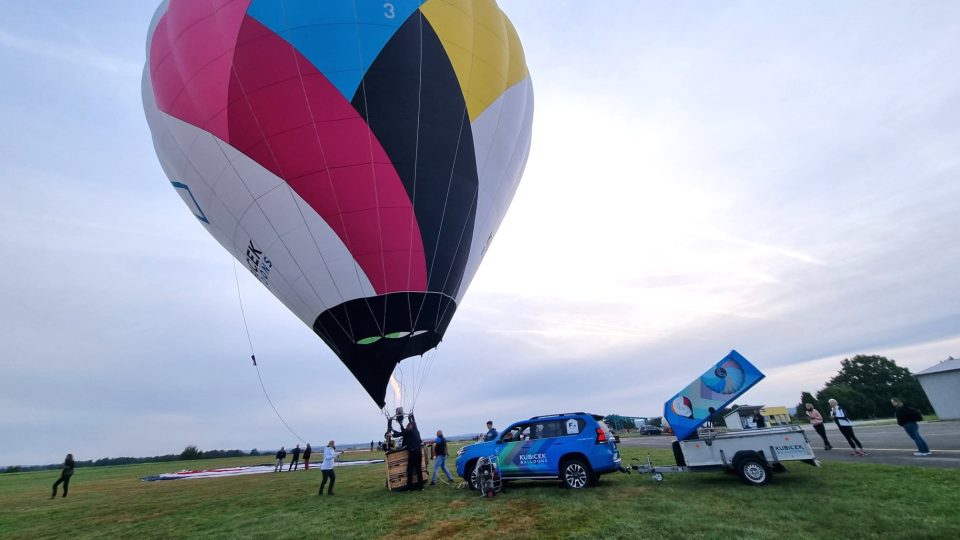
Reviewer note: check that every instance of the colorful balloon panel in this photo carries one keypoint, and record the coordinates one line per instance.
(358, 157)
(716, 388)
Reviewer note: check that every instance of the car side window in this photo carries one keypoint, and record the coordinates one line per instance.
(513, 434)
(553, 428)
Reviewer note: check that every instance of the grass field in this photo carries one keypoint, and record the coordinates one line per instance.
(839, 500)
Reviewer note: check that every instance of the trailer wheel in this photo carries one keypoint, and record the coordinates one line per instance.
(658, 477)
(754, 471)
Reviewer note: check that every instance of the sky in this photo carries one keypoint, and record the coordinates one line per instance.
(782, 179)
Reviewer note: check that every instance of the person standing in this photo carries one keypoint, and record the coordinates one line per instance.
(816, 420)
(65, 474)
(295, 459)
(306, 457)
(846, 428)
(759, 420)
(414, 446)
(491, 432)
(440, 448)
(281, 455)
(329, 456)
(713, 420)
(907, 418)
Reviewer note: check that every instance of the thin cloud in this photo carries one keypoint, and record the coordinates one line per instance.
(789, 253)
(70, 54)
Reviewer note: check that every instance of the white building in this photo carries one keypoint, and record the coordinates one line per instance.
(942, 385)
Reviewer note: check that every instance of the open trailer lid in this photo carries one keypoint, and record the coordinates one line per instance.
(717, 387)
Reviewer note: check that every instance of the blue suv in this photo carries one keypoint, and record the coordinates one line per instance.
(575, 447)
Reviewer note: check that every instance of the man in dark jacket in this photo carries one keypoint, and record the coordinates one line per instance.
(281, 455)
(306, 457)
(295, 461)
(414, 446)
(907, 417)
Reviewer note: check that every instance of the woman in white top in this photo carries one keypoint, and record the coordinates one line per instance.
(329, 455)
(846, 428)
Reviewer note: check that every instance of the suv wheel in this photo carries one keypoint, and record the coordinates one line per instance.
(575, 474)
(473, 478)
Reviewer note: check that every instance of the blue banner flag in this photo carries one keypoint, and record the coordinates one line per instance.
(716, 388)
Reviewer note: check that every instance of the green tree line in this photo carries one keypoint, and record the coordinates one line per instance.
(189, 453)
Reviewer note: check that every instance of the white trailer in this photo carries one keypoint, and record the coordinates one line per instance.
(754, 454)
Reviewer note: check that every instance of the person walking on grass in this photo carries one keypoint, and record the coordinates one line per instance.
(329, 456)
(846, 428)
(306, 457)
(907, 418)
(816, 420)
(281, 455)
(65, 474)
(440, 447)
(295, 460)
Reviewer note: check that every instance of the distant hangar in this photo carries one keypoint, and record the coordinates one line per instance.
(942, 385)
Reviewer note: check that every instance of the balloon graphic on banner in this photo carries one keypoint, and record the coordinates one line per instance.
(726, 378)
(357, 157)
(682, 406)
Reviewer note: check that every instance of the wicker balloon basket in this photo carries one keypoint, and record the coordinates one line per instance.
(396, 461)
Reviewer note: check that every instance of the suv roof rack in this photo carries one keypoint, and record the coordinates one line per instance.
(558, 414)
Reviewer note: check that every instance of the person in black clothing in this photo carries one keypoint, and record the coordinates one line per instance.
(713, 420)
(65, 474)
(907, 418)
(281, 455)
(759, 420)
(414, 446)
(295, 460)
(306, 457)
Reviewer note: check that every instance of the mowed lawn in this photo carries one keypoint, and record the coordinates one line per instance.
(839, 500)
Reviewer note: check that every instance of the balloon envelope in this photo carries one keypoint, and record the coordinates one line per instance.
(357, 157)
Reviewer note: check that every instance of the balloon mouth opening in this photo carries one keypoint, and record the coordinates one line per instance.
(393, 335)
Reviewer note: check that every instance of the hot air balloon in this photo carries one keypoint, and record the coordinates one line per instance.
(356, 156)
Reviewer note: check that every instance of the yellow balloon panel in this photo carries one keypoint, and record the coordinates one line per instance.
(482, 45)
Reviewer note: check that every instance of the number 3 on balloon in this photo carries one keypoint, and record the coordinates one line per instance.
(389, 11)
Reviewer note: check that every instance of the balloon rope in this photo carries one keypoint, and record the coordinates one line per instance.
(253, 356)
(426, 373)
